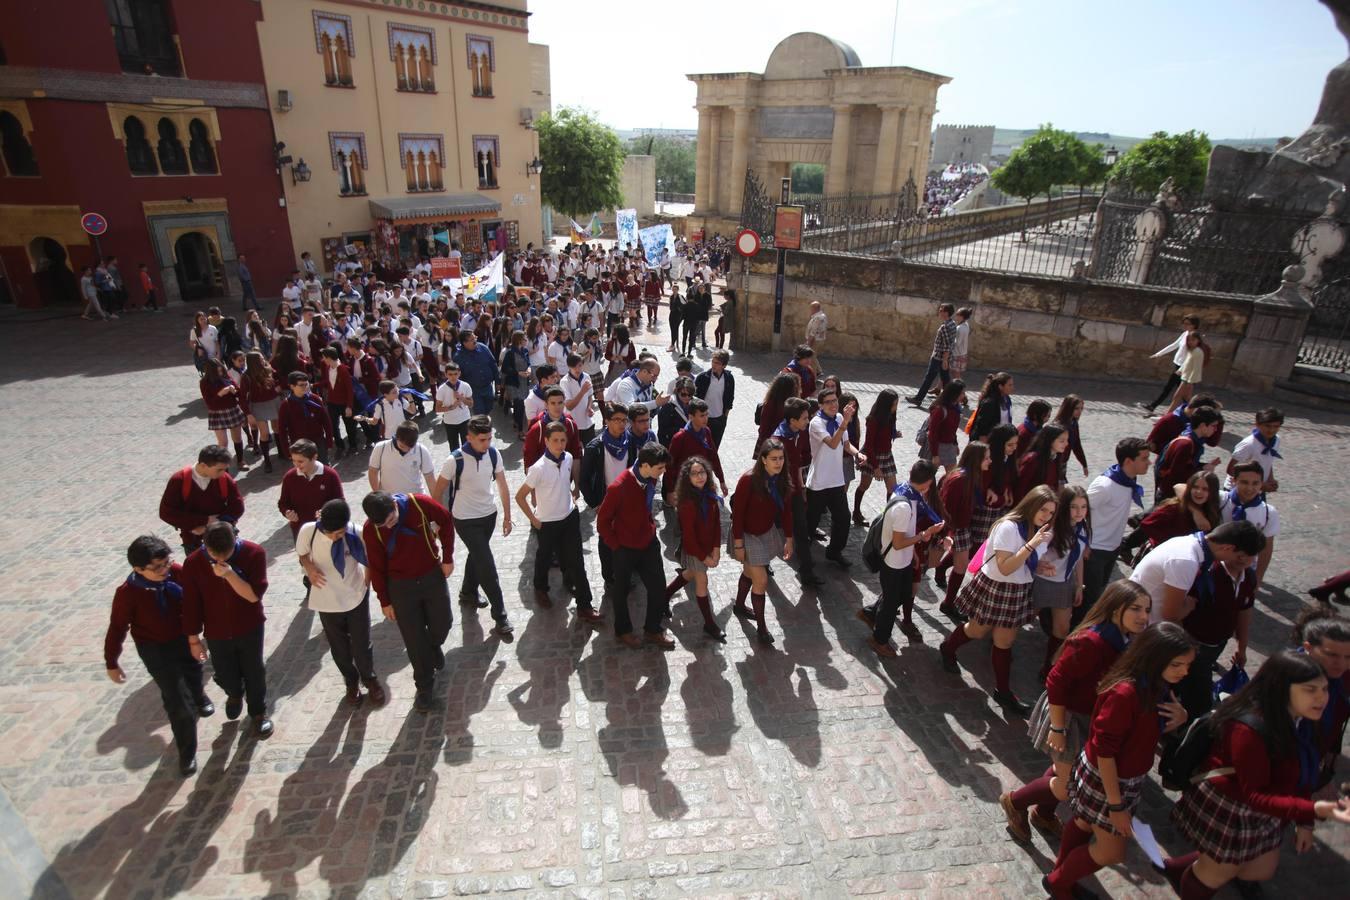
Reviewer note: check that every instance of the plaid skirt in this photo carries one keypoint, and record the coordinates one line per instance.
(983, 519)
(961, 540)
(1054, 594)
(1075, 731)
(1226, 830)
(1003, 604)
(1087, 797)
(225, 419)
(760, 549)
(880, 465)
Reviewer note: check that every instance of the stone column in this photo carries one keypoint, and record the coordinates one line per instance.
(836, 180)
(701, 156)
(740, 158)
(714, 164)
(888, 150)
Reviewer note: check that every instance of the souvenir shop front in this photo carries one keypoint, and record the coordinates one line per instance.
(410, 229)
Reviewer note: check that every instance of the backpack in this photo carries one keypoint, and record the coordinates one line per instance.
(222, 483)
(872, 554)
(458, 455)
(921, 438)
(970, 423)
(1183, 757)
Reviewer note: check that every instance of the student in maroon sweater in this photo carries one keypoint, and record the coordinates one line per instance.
(1038, 411)
(700, 513)
(554, 399)
(223, 587)
(1171, 424)
(199, 495)
(1133, 710)
(303, 415)
(335, 383)
(1061, 717)
(694, 439)
(224, 411)
(1266, 737)
(794, 432)
(961, 492)
(761, 529)
(400, 535)
(149, 604)
(625, 523)
(307, 486)
(1183, 456)
(1040, 464)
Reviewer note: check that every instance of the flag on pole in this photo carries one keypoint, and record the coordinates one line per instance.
(443, 237)
(486, 283)
(579, 235)
(595, 230)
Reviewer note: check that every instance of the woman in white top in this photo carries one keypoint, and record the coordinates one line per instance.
(998, 599)
(557, 351)
(203, 340)
(1191, 369)
(1058, 584)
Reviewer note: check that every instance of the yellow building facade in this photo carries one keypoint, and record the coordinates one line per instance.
(414, 123)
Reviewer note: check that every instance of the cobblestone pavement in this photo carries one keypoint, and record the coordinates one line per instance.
(561, 764)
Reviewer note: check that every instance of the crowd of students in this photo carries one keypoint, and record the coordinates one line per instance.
(1128, 664)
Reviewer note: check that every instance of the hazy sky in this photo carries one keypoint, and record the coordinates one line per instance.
(1232, 68)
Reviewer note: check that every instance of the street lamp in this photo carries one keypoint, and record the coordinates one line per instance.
(1110, 156)
(534, 167)
(300, 172)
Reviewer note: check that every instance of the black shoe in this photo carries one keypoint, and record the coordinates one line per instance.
(949, 663)
(838, 560)
(911, 631)
(819, 536)
(940, 578)
(715, 633)
(440, 660)
(262, 727)
(304, 579)
(914, 401)
(205, 708)
(810, 579)
(475, 602)
(952, 613)
(188, 767)
(233, 707)
(423, 702)
(1140, 404)
(504, 627)
(1011, 702)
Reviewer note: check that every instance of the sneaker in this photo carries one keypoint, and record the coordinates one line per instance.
(262, 727)
(1017, 823)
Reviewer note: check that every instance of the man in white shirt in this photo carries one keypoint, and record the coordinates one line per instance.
(1110, 497)
(816, 327)
(825, 479)
(637, 388)
(476, 479)
(291, 293)
(1261, 446)
(545, 376)
(400, 465)
(1245, 502)
(1170, 570)
(1179, 351)
(898, 537)
(557, 524)
(454, 401)
(333, 557)
(579, 398)
(304, 328)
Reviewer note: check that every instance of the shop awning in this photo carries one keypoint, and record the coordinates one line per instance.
(432, 208)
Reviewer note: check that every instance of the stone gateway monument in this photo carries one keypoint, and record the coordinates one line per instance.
(814, 103)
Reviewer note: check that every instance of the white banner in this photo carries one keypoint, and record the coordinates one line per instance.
(626, 224)
(656, 238)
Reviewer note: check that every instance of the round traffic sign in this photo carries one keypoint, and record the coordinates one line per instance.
(747, 242)
(94, 223)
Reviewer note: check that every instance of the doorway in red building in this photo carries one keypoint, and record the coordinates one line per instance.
(199, 268)
(56, 283)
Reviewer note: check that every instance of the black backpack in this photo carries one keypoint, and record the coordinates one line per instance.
(872, 552)
(1183, 759)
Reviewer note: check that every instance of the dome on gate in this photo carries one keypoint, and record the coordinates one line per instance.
(807, 54)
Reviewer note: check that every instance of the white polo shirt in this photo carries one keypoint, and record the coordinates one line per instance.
(900, 518)
(1263, 515)
(1249, 449)
(445, 395)
(1006, 536)
(476, 496)
(399, 472)
(552, 486)
(581, 413)
(1173, 563)
(1110, 504)
(391, 415)
(340, 592)
(534, 405)
(827, 464)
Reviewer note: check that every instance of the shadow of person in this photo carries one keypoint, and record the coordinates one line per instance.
(803, 624)
(193, 409)
(472, 675)
(709, 708)
(306, 826)
(781, 711)
(297, 657)
(136, 729)
(633, 686)
(548, 651)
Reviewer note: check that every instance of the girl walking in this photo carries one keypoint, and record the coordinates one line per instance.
(962, 494)
(761, 529)
(223, 410)
(1057, 586)
(700, 514)
(881, 435)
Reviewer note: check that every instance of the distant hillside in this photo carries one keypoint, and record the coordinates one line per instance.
(1005, 139)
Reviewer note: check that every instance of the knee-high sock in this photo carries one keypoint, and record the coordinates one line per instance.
(263, 447)
(705, 607)
(1035, 793)
(1072, 838)
(1052, 644)
(757, 601)
(1175, 866)
(742, 589)
(676, 583)
(1072, 869)
(953, 586)
(1001, 659)
(1192, 888)
(239, 452)
(956, 640)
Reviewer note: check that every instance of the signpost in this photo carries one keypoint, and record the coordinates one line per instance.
(443, 267)
(94, 224)
(787, 233)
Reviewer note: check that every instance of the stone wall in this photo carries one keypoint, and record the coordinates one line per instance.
(884, 309)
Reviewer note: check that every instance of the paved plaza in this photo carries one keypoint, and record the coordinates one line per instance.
(560, 764)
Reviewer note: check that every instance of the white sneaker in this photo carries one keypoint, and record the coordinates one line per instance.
(112, 315)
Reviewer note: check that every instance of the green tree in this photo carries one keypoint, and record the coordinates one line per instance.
(674, 160)
(1182, 157)
(583, 162)
(808, 178)
(1047, 158)
(1090, 165)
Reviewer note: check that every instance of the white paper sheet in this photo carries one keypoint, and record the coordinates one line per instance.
(1147, 842)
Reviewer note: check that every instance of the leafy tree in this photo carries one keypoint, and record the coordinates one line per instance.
(1047, 158)
(808, 178)
(674, 160)
(1091, 167)
(1182, 157)
(583, 162)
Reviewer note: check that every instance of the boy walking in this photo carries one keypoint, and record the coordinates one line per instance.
(199, 495)
(626, 524)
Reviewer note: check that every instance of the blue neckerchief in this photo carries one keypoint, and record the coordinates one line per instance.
(907, 491)
(308, 406)
(771, 485)
(595, 350)
(1309, 759)
(577, 378)
(1080, 538)
(831, 422)
(1034, 557)
(617, 447)
(350, 543)
(647, 484)
(703, 435)
(1240, 508)
(784, 431)
(467, 449)
(1108, 632)
(556, 460)
(1203, 586)
(1136, 489)
(401, 501)
(1267, 449)
(708, 500)
(1199, 442)
(1180, 413)
(164, 590)
(1030, 426)
(646, 438)
(538, 392)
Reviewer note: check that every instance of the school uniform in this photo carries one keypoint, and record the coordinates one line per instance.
(222, 412)
(897, 568)
(797, 453)
(1178, 462)
(1072, 683)
(670, 419)
(304, 417)
(232, 626)
(1221, 598)
(152, 612)
(474, 511)
(1110, 497)
(825, 482)
(572, 386)
(622, 358)
(960, 503)
(455, 420)
(687, 443)
(339, 395)
(405, 570)
(992, 411)
(993, 598)
(399, 471)
(306, 494)
(388, 416)
(1165, 521)
(761, 520)
(1034, 470)
(625, 523)
(1054, 585)
(1258, 512)
(1001, 478)
(1075, 450)
(190, 500)
(261, 399)
(1255, 448)
(807, 376)
(534, 438)
(878, 448)
(342, 601)
(700, 529)
(1235, 818)
(1173, 563)
(559, 532)
(719, 392)
(1122, 729)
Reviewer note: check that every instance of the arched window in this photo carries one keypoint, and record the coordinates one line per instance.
(143, 33)
(172, 159)
(140, 155)
(200, 149)
(18, 153)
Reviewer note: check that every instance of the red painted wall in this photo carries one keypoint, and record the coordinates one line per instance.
(83, 163)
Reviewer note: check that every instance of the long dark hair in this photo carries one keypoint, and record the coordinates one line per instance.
(1145, 660)
(1064, 415)
(1062, 539)
(783, 386)
(286, 354)
(1040, 448)
(1267, 696)
(256, 370)
(972, 460)
(884, 408)
(684, 486)
(1210, 507)
(951, 392)
(991, 387)
(998, 438)
(759, 475)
